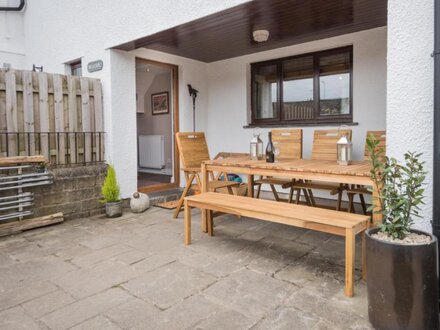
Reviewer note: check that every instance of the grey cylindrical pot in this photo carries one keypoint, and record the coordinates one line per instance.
(402, 283)
(113, 210)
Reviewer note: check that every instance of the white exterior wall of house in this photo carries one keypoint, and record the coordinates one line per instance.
(229, 92)
(410, 71)
(86, 30)
(12, 46)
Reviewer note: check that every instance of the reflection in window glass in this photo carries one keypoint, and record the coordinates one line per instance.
(266, 91)
(298, 88)
(334, 84)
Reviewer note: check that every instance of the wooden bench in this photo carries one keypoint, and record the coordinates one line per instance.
(328, 221)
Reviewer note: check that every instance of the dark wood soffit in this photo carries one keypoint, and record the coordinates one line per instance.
(228, 33)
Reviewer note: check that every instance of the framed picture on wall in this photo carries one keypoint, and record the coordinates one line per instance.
(160, 103)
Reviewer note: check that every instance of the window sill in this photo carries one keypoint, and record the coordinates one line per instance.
(311, 124)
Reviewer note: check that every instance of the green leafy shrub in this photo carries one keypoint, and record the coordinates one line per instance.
(400, 188)
(110, 188)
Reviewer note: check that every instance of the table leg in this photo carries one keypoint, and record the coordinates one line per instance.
(204, 188)
(350, 248)
(250, 182)
(187, 221)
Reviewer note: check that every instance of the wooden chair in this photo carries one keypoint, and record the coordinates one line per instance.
(324, 148)
(353, 190)
(289, 144)
(193, 152)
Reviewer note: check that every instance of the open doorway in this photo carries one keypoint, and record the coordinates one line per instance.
(157, 122)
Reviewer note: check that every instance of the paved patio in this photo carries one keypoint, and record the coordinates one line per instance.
(135, 272)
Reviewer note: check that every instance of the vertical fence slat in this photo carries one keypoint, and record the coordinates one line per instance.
(11, 111)
(73, 122)
(44, 114)
(28, 109)
(99, 120)
(59, 118)
(85, 115)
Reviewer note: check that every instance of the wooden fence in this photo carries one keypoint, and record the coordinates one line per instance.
(58, 116)
(298, 110)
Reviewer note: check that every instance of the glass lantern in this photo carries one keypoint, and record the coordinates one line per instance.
(256, 150)
(344, 147)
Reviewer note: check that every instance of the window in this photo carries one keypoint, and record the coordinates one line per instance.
(76, 68)
(310, 88)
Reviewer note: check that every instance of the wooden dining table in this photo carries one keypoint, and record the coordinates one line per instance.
(357, 173)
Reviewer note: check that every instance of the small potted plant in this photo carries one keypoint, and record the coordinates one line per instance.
(402, 280)
(111, 194)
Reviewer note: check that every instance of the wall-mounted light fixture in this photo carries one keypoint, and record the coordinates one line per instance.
(37, 68)
(193, 93)
(261, 35)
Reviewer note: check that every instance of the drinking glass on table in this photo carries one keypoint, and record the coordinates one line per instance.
(276, 153)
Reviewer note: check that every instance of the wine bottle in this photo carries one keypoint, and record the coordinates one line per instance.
(270, 150)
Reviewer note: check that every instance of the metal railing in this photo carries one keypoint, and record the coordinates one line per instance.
(60, 148)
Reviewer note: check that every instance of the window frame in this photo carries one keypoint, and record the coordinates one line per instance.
(75, 65)
(318, 118)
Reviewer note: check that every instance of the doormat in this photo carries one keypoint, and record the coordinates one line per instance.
(170, 205)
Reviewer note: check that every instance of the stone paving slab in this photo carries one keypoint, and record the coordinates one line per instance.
(50, 302)
(98, 322)
(82, 310)
(134, 272)
(250, 293)
(16, 319)
(167, 285)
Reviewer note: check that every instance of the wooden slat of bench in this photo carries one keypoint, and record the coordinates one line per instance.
(272, 209)
(271, 217)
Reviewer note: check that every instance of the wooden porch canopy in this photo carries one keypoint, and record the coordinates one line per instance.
(228, 33)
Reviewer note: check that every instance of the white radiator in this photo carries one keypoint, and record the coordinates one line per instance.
(151, 151)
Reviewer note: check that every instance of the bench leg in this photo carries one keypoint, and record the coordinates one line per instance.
(250, 183)
(350, 240)
(187, 223)
(364, 257)
(210, 221)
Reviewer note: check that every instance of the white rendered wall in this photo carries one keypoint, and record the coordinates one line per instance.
(12, 39)
(58, 32)
(229, 85)
(410, 87)
(61, 31)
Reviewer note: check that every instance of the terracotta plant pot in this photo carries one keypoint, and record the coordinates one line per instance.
(113, 210)
(402, 284)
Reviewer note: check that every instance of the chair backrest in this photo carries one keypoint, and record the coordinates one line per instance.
(192, 148)
(381, 136)
(288, 142)
(324, 143)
